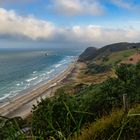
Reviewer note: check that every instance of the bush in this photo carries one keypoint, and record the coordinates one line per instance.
(94, 68)
(10, 128)
(63, 115)
(126, 82)
(68, 113)
(57, 115)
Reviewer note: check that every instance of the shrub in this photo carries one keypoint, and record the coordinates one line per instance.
(95, 68)
(126, 82)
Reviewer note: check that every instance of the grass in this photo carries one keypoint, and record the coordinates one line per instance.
(119, 56)
(101, 128)
(113, 127)
(82, 77)
(110, 127)
(115, 57)
(96, 78)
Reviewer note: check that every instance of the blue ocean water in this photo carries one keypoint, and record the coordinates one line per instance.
(23, 69)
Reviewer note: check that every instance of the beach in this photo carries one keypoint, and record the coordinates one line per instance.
(22, 105)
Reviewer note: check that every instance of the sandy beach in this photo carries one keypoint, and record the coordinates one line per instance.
(22, 105)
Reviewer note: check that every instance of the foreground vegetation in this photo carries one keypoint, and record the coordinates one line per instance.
(65, 114)
(116, 126)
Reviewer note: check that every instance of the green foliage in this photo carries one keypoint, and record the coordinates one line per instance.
(126, 82)
(55, 116)
(10, 129)
(67, 113)
(95, 68)
(105, 58)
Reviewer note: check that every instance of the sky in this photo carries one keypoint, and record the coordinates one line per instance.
(68, 23)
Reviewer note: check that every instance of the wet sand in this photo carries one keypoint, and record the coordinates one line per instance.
(22, 105)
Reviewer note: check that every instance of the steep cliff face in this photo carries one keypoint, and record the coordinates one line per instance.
(92, 52)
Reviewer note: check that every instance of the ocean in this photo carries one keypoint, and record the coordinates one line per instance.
(21, 70)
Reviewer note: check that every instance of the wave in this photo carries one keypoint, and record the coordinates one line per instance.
(5, 96)
(18, 84)
(36, 77)
(57, 65)
(64, 61)
(34, 72)
(50, 71)
(31, 79)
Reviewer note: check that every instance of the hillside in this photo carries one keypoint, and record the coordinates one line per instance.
(88, 54)
(91, 52)
(99, 69)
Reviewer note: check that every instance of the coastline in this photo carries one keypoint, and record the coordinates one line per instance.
(22, 104)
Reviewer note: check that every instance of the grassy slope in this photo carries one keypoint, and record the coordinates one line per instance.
(116, 57)
(100, 77)
(119, 56)
(101, 129)
(104, 128)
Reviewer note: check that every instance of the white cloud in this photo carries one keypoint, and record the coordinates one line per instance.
(13, 25)
(77, 7)
(99, 36)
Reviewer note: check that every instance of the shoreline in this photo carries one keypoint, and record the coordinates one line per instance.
(19, 104)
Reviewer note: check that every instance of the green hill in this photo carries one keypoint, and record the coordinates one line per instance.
(91, 52)
(104, 64)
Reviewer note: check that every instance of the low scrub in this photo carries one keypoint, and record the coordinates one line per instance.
(97, 68)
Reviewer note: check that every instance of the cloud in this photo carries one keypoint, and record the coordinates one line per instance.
(122, 3)
(126, 4)
(29, 27)
(98, 35)
(77, 7)
(15, 27)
